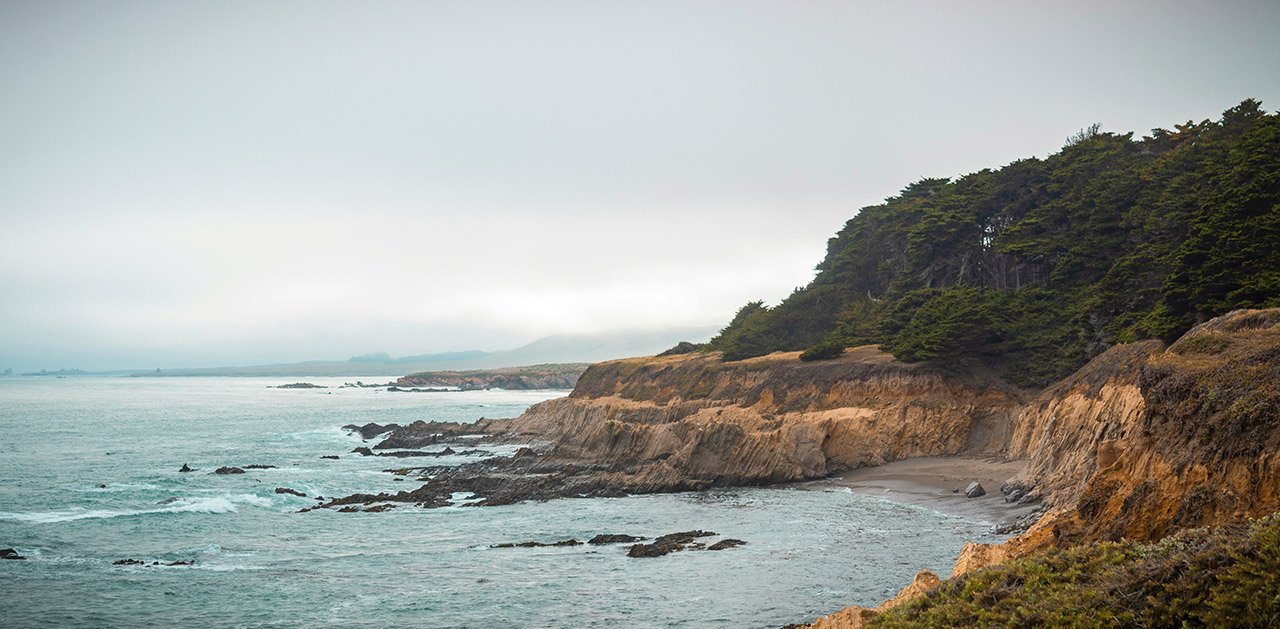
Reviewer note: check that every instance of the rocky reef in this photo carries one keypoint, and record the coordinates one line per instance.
(691, 421)
(557, 376)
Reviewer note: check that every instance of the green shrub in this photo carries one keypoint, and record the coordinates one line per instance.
(824, 350)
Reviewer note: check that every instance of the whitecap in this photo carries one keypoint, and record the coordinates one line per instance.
(224, 568)
(218, 504)
(118, 487)
(250, 499)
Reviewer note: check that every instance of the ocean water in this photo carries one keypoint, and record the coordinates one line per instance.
(89, 475)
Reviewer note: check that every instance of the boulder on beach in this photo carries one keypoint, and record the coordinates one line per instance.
(974, 490)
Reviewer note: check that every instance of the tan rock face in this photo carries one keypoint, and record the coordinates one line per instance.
(856, 617)
(773, 418)
(1141, 442)
(1146, 441)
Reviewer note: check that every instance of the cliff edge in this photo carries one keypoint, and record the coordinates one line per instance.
(773, 418)
(1147, 441)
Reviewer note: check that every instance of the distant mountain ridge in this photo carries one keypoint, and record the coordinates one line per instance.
(558, 348)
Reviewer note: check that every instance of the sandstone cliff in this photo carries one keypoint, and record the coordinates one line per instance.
(1142, 442)
(773, 418)
(1145, 441)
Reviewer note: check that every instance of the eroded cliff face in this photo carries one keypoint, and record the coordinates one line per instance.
(1146, 441)
(770, 419)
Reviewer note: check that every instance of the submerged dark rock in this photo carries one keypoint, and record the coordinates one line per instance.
(292, 492)
(726, 543)
(10, 553)
(363, 451)
(420, 433)
(136, 562)
(228, 470)
(566, 542)
(371, 429)
(184, 468)
(329, 456)
(502, 481)
(412, 453)
(301, 385)
(614, 539)
(259, 466)
(670, 543)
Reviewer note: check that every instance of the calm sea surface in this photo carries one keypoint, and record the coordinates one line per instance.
(89, 475)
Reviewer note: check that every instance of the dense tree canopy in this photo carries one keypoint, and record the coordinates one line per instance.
(1034, 267)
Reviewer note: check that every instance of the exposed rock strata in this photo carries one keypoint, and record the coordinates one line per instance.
(1145, 441)
(691, 421)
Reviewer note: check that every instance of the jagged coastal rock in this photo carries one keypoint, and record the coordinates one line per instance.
(1145, 441)
(691, 421)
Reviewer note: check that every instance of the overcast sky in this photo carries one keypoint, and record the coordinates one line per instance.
(225, 182)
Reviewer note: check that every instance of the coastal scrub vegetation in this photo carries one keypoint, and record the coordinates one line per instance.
(1221, 577)
(1035, 267)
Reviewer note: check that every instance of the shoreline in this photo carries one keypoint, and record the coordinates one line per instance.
(937, 482)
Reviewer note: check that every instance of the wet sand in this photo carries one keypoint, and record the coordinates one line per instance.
(937, 483)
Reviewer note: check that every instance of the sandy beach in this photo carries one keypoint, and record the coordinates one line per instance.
(937, 483)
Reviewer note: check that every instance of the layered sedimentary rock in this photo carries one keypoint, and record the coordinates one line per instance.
(771, 419)
(692, 421)
(1147, 440)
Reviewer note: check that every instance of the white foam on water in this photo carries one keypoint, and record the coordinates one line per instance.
(224, 568)
(217, 504)
(250, 499)
(118, 487)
